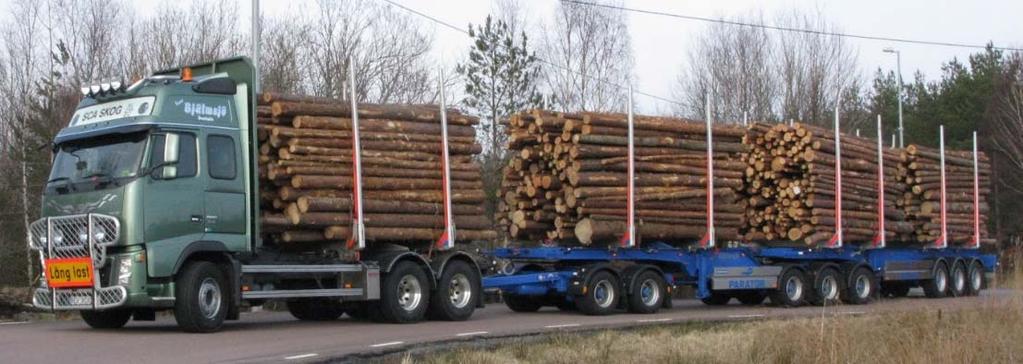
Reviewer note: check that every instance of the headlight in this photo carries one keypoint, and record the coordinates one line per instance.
(124, 270)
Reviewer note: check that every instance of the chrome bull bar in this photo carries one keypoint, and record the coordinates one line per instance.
(76, 236)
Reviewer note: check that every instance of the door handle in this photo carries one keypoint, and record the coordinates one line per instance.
(196, 218)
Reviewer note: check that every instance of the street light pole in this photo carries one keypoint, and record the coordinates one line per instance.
(898, 67)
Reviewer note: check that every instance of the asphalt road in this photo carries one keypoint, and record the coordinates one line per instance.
(276, 337)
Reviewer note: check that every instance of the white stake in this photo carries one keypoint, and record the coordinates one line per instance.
(836, 240)
(879, 240)
(709, 239)
(255, 44)
(358, 240)
(745, 118)
(976, 196)
(447, 239)
(943, 239)
(629, 239)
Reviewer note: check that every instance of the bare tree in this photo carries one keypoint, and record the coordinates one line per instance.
(1007, 124)
(812, 68)
(281, 62)
(589, 57)
(734, 64)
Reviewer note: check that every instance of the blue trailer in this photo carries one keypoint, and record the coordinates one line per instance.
(599, 281)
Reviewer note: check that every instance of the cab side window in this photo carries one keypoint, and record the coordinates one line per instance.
(220, 156)
(186, 166)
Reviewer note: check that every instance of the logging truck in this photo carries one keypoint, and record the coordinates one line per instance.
(151, 205)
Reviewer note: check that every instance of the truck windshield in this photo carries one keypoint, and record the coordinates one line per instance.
(96, 163)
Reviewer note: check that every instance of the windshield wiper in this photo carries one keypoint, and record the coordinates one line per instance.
(68, 186)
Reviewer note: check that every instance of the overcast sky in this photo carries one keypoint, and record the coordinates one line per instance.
(660, 43)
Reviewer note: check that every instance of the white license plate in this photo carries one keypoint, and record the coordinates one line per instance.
(81, 300)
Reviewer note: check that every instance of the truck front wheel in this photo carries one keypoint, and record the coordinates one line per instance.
(404, 294)
(111, 319)
(457, 293)
(201, 304)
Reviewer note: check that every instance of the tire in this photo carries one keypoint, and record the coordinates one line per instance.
(937, 287)
(457, 294)
(827, 288)
(974, 279)
(861, 287)
(792, 289)
(716, 299)
(647, 295)
(957, 280)
(109, 319)
(895, 290)
(520, 303)
(751, 298)
(603, 292)
(404, 295)
(202, 298)
(317, 309)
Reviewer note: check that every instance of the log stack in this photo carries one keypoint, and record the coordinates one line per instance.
(305, 172)
(921, 202)
(566, 180)
(790, 182)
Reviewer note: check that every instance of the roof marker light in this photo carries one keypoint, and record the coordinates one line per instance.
(85, 91)
(186, 74)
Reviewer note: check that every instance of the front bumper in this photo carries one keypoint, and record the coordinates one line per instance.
(80, 298)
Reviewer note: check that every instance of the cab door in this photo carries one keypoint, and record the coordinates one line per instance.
(173, 204)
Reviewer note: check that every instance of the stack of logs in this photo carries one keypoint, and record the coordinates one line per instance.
(566, 180)
(922, 200)
(305, 171)
(790, 181)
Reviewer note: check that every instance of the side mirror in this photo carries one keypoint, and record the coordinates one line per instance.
(167, 169)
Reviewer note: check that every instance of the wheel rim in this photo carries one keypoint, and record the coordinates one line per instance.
(410, 292)
(976, 279)
(862, 286)
(794, 288)
(460, 290)
(829, 288)
(603, 293)
(209, 298)
(649, 292)
(959, 280)
(941, 280)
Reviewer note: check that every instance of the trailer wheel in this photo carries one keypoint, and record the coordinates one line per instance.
(827, 288)
(457, 293)
(521, 303)
(862, 287)
(751, 298)
(601, 294)
(316, 309)
(895, 289)
(716, 299)
(975, 279)
(937, 287)
(791, 290)
(647, 295)
(957, 280)
(109, 319)
(404, 294)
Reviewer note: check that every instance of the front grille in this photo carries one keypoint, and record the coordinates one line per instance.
(75, 236)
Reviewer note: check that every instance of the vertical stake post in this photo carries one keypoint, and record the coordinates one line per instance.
(709, 238)
(255, 43)
(358, 239)
(976, 196)
(629, 239)
(836, 240)
(942, 241)
(447, 239)
(745, 118)
(879, 240)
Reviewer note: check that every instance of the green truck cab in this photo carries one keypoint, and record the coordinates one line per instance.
(151, 205)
